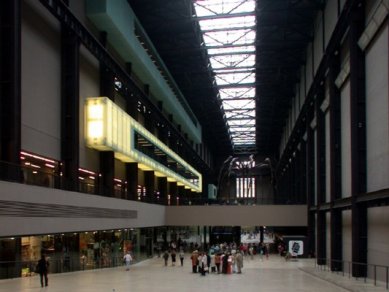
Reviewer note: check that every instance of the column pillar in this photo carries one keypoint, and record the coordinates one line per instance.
(181, 194)
(320, 179)
(10, 85)
(261, 234)
(107, 158)
(173, 193)
(70, 109)
(132, 180)
(310, 172)
(162, 187)
(335, 164)
(150, 185)
(358, 140)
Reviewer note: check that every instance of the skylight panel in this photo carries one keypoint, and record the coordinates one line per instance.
(237, 104)
(237, 93)
(229, 35)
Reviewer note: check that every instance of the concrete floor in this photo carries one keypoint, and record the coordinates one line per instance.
(151, 275)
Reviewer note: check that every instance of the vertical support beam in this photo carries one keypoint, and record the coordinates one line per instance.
(320, 150)
(358, 140)
(303, 158)
(107, 168)
(162, 187)
(107, 158)
(70, 107)
(173, 192)
(261, 234)
(320, 179)
(10, 84)
(310, 168)
(181, 194)
(132, 180)
(150, 185)
(335, 163)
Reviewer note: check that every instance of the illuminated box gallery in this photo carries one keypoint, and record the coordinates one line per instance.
(109, 128)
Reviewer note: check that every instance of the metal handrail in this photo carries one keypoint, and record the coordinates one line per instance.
(328, 264)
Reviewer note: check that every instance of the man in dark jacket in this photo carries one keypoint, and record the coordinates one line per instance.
(42, 268)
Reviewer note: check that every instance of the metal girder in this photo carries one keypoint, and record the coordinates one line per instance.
(223, 15)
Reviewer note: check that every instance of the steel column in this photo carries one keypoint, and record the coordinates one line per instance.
(335, 164)
(358, 140)
(310, 172)
(10, 85)
(70, 107)
(132, 180)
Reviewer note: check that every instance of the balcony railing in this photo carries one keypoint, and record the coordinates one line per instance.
(376, 274)
(38, 177)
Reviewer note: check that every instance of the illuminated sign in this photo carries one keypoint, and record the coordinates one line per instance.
(109, 128)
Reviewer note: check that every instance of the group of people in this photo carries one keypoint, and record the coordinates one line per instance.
(222, 262)
(173, 256)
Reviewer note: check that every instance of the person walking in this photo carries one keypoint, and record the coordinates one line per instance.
(239, 262)
(173, 255)
(42, 268)
(217, 262)
(166, 257)
(195, 261)
(127, 259)
(182, 255)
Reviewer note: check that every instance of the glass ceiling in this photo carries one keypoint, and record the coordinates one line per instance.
(228, 28)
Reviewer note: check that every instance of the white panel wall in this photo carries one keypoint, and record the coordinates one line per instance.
(346, 237)
(328, 236)
(41, 81)
(378, 238)
(330, 16)
(377, 110)
(89, 86)
(318, 41)
(345, 139)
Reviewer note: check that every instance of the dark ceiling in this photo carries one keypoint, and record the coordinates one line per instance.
(284, 28)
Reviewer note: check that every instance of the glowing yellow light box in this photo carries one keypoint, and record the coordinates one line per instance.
(109, 128)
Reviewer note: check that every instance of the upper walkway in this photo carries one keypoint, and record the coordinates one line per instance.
(151, 275)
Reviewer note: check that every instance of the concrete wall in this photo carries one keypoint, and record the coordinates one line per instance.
(346, 238)
(41, 81)
(45, 200)
(377, 112)
(345, 139)
(378, 239)
(270, 215)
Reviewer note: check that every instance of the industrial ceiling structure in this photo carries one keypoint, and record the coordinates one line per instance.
(237, 63)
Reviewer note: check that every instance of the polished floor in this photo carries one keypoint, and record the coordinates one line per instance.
(151, 275)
